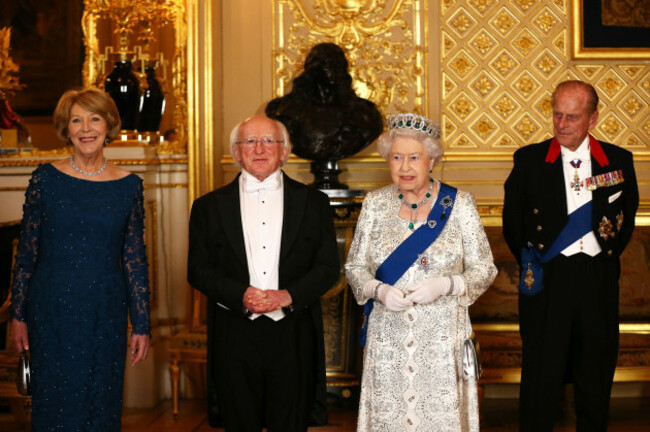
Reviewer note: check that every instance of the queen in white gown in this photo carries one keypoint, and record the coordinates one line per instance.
(412, 365)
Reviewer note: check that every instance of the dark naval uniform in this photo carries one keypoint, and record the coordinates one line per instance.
(569, 330)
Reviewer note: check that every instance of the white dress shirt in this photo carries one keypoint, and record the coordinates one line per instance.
(262, 206)
(574, 199)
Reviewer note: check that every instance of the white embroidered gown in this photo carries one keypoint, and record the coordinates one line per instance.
(411, 364)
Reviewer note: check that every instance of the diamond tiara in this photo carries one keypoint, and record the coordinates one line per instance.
(414, 121)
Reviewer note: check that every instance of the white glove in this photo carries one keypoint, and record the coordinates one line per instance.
(370, 289)
(430, 290)
(393, 298)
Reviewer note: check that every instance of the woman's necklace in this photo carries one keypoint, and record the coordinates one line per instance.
(87, 173)
(413, 206)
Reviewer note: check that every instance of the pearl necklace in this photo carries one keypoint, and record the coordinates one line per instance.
(414, 206)
(87, 173)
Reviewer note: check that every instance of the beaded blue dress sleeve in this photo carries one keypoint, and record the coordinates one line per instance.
(134, 263)
(27, 253)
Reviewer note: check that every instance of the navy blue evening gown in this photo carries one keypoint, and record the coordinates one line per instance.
(80, 269)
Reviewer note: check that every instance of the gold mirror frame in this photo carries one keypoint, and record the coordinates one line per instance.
(164, 11)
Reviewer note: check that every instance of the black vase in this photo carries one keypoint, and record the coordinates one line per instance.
(152, 103)
(123, 86)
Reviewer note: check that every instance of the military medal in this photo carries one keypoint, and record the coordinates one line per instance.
(605, 228)
(619, 221)
(611, 178)
(576, 184)
(529, 280)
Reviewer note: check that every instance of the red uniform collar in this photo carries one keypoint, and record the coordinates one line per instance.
(594, 146)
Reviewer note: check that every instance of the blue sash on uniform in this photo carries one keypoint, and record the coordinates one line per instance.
(531, 280)
(403, 257)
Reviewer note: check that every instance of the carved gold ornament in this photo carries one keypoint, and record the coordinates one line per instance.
(611, 84)
(526, 127)
(384, 42)
(484, 127)
(546, 21)
(547, 64)
(483, 85)
(632, 105)
(611, 125)
(505, 106)
(525, 42)
(483, 43)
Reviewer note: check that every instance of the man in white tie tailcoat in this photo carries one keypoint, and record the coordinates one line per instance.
(569, 329)
(263, 250)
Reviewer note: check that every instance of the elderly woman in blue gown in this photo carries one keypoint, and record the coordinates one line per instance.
(419, 257)
(80, 270)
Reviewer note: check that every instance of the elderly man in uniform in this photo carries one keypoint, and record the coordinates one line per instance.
(569, 210)
(263, 251)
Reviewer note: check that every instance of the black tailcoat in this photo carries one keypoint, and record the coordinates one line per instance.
(534, 213)
(535, 208)
(308, 267)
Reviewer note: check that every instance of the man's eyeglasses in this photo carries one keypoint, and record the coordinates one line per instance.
(252, 142)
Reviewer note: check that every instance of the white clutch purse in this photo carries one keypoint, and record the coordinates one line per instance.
(24, 375)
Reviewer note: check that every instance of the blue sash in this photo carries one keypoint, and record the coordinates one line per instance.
(531, 279)
(403, 257)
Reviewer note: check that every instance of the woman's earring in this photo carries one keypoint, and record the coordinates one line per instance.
(430, 170)
(106, 141)
(69, 142)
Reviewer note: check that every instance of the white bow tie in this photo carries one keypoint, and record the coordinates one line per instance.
(271, 183)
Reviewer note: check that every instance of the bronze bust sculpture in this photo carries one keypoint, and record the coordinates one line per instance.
(325, 118)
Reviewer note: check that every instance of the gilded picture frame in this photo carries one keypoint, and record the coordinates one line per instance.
(583, 23)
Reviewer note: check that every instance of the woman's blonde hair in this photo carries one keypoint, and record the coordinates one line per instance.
(90, 99)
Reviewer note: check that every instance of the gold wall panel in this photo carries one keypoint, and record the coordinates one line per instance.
(500, 62)
(384, 41)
